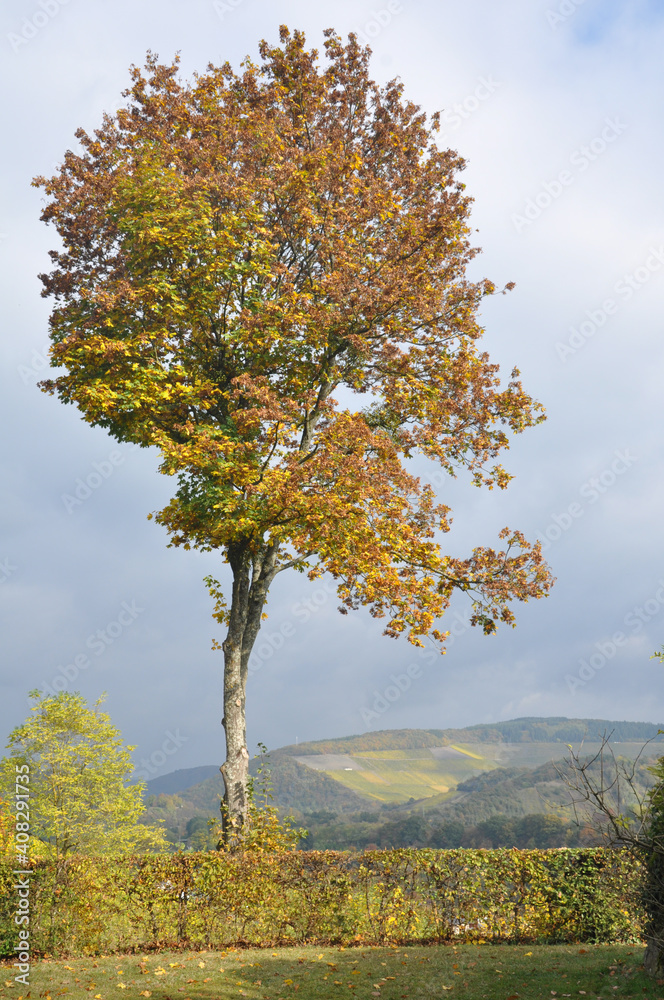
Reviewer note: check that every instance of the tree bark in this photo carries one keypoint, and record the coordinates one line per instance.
(252, 575)
(653, 962)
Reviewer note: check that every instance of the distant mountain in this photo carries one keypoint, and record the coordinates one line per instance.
(526, 730)
(463, 776)
(560, 729)
(178, 781)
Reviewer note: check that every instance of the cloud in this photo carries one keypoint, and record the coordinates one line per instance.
(529, 97)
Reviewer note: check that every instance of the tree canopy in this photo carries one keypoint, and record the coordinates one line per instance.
(79, 801)
(263, 274)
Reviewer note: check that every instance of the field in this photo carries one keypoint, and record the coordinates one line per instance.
(399, 775)
(467, 972)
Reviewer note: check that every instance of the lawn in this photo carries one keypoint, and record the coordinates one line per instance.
(467, 972)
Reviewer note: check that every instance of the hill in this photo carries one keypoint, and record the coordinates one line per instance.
(526, 730)
(367, 788)
(178, 781)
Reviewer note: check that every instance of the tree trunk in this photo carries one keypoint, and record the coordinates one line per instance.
(252, 576)
(653, 962)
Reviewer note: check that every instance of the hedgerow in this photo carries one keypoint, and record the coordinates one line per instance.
(216, 900)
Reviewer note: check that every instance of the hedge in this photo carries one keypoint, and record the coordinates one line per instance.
(212, 900)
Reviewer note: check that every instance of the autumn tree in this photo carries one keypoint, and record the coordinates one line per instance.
(263, 274)
(80, 799)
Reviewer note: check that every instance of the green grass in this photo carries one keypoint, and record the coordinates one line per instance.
(467, 972)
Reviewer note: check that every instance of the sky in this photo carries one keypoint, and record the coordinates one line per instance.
(556, 107)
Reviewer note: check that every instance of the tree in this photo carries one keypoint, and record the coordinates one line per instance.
(628, 814)
(235, 251)
(77, 766)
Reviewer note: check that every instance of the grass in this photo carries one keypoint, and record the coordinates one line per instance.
(465, 972)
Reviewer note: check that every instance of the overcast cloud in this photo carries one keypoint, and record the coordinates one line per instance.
(557, 107)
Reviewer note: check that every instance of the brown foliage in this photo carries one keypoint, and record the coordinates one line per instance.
(238, 249)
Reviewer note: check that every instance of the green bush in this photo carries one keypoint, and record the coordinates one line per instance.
(94, 905)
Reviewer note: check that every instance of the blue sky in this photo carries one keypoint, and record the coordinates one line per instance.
(561, 126)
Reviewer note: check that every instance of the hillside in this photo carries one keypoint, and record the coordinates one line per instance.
(526, 730)
(367, 789)
(178, 781)
(292, 785)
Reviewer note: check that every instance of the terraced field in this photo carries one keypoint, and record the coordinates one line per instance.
(399, 775)
(434, 772)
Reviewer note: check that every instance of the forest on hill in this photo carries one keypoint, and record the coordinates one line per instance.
(526, 730)
(503, 786)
